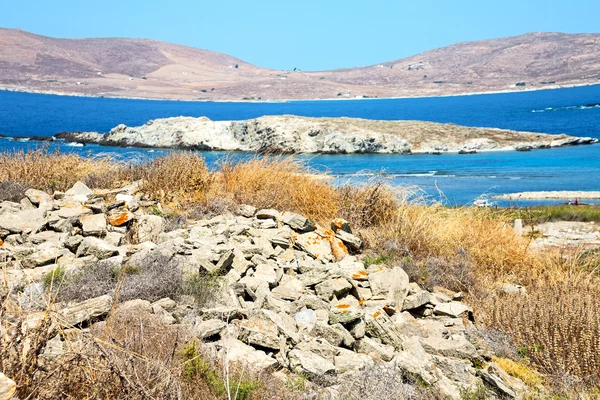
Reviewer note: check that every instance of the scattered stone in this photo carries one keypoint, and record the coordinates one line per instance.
(308, 363)
(333, 287)
(452, 309)
(7, 387)
(268, 214)
(121, 218)
(92, 246)
(376, 351)
(390, 285)
(513, 289)
(149, 227)
(297, 222)
(93, 225)
(315, 245)
(79, 192)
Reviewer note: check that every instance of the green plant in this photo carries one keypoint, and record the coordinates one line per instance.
(377, 260)
(235, 387)
(157, 211)
(125, 269)
(298, 382)
(204, 288)
(480, 392)
(54, 277)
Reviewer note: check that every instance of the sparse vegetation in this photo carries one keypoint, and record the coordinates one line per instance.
(555, 326)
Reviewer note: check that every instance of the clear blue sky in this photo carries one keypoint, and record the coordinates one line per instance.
(307, 34)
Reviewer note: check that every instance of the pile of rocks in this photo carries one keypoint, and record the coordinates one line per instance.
(296, 295)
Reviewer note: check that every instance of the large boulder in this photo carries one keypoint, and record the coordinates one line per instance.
(27, 221)
(390, 285)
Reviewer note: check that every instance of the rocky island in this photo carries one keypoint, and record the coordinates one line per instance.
(294, 134)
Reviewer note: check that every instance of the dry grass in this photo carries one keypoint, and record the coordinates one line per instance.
(557, 326)
(452, 244)
(51, 171)
(281, 183)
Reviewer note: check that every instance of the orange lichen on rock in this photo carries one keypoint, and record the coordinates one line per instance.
(360, 274)
(342, 306)
(121, 218)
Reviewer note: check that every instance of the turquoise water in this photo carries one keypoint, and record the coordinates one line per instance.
(461, 178)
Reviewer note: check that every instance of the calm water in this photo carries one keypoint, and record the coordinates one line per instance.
(461, 178)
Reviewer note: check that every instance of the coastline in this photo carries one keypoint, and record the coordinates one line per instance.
(551, 195)
(508, 91)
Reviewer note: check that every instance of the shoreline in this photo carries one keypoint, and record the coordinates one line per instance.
(508, 91)
(551, 195)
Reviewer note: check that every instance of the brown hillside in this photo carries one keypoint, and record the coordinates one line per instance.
(119, 67)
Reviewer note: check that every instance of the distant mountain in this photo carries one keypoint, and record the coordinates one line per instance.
(116, 67)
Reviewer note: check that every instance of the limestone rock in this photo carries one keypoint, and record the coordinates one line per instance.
(390, 285)
(376, 351)
(149, 227)
(121, 218)
(75, 314)
(92, 246)
(349, 361)
(93, 225)
(333, 287)
(453, 309)
(380, 325)
(39, 198)
(297, 222)
(305, 362)
(79, 192)
(345, 310)
(27, 221)
(268, 214)
(315, 245)
(260, 331)
(7, 387)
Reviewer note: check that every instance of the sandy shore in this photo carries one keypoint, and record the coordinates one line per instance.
(561, 195)
(114, 96)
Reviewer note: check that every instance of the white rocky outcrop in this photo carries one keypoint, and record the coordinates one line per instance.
(293, 134)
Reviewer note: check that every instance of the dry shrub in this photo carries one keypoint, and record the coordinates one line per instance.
(181, 176)
(465, 236)
(281, 183)
(154, 277)
(369, 204)
(557, 325)
(51, 171)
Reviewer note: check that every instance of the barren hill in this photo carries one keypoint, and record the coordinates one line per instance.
(145, 68)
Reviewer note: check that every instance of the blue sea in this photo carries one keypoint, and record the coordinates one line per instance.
(454, 179)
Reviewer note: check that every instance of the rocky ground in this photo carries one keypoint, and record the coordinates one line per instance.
(292, 134)
(297, 299)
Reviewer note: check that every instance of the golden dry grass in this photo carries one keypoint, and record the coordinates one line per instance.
(278, 182)
(51, 171)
